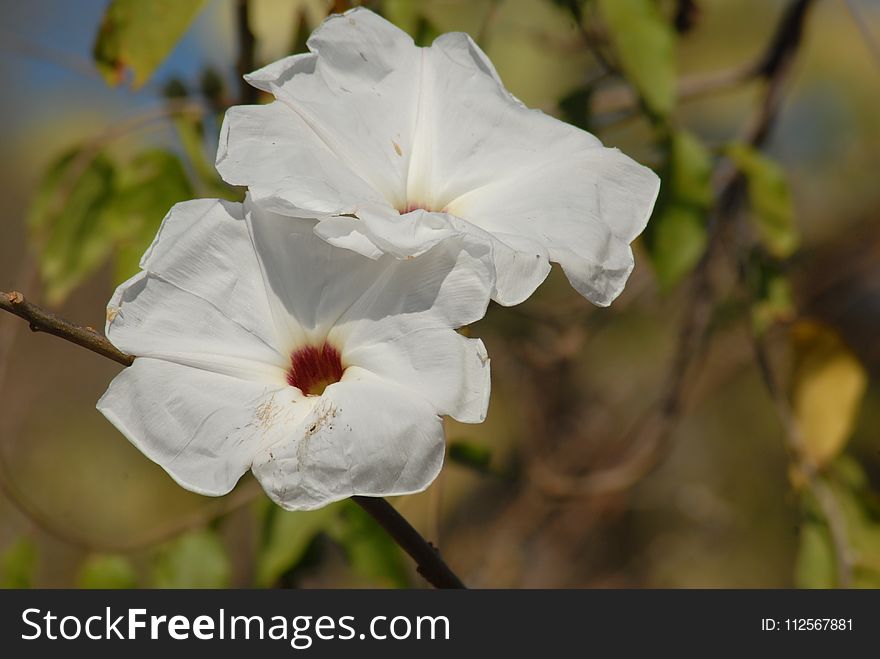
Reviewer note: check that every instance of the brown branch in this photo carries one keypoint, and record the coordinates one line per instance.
(651, 438)
(429, 563)
(41, 320)
(774, 56)
(246, 53)
(589, 39)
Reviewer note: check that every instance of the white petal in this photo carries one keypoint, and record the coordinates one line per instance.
(347, 232)
(200, 300)
(318, 287)
(277, 73)
(408, 235)
(270, 149)
(342, 127)
(447, 287)
(586, 208)
(520, 264)
(367, 124)
(202, 428)
(365, 436)
(443, 367)
(203, 248)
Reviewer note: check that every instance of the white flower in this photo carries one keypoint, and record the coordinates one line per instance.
(394, 148)
(260, 346)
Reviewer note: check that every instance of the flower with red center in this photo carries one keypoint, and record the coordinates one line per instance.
(260, 346)
(393, 148)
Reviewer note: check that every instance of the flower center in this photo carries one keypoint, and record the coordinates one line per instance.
(313, 369)
(411, 206)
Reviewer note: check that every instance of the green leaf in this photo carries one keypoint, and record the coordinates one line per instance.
(137, 36)
(106, 571)
(770, 198)
(829, 383)
(18, 563)
(288, 536)
(645, 44)
(775, 304)
(690, 170)
(196, 559)
(88, 208)
(676, 235)
(149, 186)
(371, 552)
(678, 241)
(470, 455)
(816, 562)
(814, 565)
(67, 221)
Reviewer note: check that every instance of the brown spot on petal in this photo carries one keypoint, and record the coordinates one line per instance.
(397, 148)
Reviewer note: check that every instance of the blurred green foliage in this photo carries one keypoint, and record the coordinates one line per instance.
(99, 204)
(195, 559)
(107, 571)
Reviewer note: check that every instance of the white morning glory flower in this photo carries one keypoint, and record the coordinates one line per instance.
(394, 148)
(260, 346)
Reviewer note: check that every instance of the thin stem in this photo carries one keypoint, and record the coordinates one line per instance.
(796, 445)
(41, 320)
(246, 53)
(650, 440)
(429, 563)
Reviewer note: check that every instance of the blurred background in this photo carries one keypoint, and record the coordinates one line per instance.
(717, 426)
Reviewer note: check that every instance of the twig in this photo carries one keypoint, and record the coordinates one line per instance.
(246, 53)
(651, 438)
(16, 44)
(589, 39)
(797, 448)
(41, 320)
(429, 563)
(775, 55)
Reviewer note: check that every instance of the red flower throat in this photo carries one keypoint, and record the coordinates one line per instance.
(313, 369)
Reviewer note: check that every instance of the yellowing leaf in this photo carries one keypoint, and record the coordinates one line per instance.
(770, 197)
(829, 383)
(137, 36)
(645, 44)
